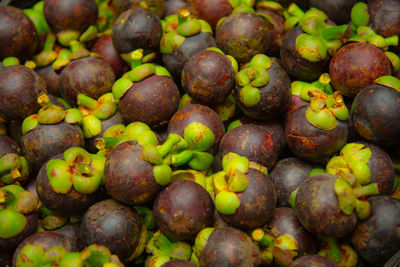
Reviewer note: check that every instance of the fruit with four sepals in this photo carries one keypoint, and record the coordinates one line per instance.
(19, 89)
(208, 77)
(183, 209)
(70, 183)
(114, 225)
(375, 111)
(18, 216)
(287, 175)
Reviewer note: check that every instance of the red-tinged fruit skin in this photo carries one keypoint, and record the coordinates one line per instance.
(18, 36)
(19, 89)
(210, 10)
(152, 101)
(172, 7)
(128, 178)
(90, 76)
(229, 247)
(287, 175)
(8, 145)
(183, 209)
(178, 263)
(337, 10)
(356, 66)
(114, 225)
(317, 208)
(51, 78)
(313, 261)
(377, 238)
(311, 143)
(277, 32)
(70, 14)
(156, 6)
(375, 114)
(72, 231)
(257, 203)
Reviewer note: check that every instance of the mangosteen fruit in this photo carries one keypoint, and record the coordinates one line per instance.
(313, 260)
(210, 10)
(172, 7)
(156, 6)
(337, 10)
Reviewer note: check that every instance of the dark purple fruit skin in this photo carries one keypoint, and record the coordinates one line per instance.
(46, 240)
(114, 225)
(377, 238)
(90, 76)
(250, 141)
(257, 203)
(183, 209)
(19, 89)
(229, 247)
(9, 244)
(210, 10)
(70, 14)
(176, 61)
(375, 114)
(313, 261)
(46, 141)
(277, 32)
(18, 36)
(152, 101)
(317, 208)
(304, 4)
(128, 178)
(385, 18)
(311, 143)
(284, 221)
(356, 66)
(72, 231)
(141, 29)
(287, 175)
(73, 203)
(8, 145)
(178, 263)
(198, 113)
(208, 77)
(156, 6)
(105, 124)
(275, 96)
(172, 7)
(105, 48)
(337, 10)
(243, 35)
(51, 78)
(295, 65)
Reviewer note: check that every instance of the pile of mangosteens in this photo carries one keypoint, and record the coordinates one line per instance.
(199, 133)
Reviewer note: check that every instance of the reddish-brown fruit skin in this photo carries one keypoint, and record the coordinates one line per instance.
(9, 244)
(356, 66)
(252, 142)
(311, 143)
(178, 263)
(208, 77)
(128, 178)
(275, 96)
(18, 36)
(176, 61)
(51, 78)
(287, 175)
(73, 203)
(114, 225)
(152, 101)
(337, 10)
(183, 209)
(317, 208)
(284, 221)
(375, 114)
(277, 32)
(243, 35)
(313, 261)
(218, 222)
(257, 203)
(105, 48)
(137, 28)
(172, 7)
(229, 247)
(198, 113)
(385, 18)
(46, 141)
(70, 14)
(90, 76)
(210, 10)
(295, 65)
(46, 240)
(72, 231)
(8, 145)
(19, 89)
(156, 6)
(295, 103)
(377, 238)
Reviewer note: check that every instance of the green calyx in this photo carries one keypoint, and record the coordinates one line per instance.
(36, 15)
(226, 109)
(348, 256)
(200, 243)
(79, 169)
(359, 14)
(160, 245)
(192, 175)
(35, 255)
(311, 47)
(199, 136)
(238, 3)
(271, 6)
(15, 203)
(389, 81)
(170, 42)
(13, 168)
